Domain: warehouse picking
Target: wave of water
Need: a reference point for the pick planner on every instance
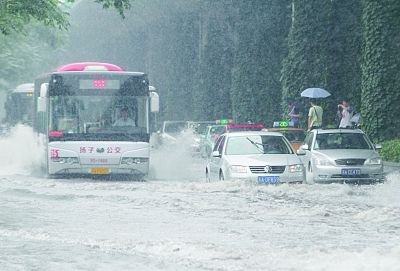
(177, 221)
(21, 151)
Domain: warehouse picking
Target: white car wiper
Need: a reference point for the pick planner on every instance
(258, 145)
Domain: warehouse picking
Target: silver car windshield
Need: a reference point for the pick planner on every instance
(331, 141)
(257, 144)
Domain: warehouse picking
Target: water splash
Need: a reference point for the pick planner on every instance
(21, 151)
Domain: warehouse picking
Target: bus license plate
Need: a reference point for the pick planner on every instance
(99, 170)
(268, 179)
(351, 171)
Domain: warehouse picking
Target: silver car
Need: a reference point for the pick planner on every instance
(341, 155)
(262, 157)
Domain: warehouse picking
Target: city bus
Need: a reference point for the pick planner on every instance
(19, 105)
(76, 109)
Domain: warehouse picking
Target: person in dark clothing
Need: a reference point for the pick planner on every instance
(294, 113)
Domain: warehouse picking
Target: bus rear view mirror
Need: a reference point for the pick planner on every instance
(154, 102)
(42, 99)
(43, 90)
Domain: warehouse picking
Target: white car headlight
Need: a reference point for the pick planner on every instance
(239, 169)
(295, 168)
(373, 161)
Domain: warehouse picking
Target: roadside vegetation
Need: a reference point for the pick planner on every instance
(391, 151)
(215, 59)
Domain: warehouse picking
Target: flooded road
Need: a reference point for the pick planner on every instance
(177, 221)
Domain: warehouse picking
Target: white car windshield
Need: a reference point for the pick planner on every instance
(330, 141)
(257, 144)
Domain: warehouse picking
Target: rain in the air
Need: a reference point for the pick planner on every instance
(222, 135)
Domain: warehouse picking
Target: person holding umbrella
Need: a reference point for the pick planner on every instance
(314, 115)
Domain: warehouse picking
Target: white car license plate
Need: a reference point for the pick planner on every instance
(351, 171)
(268, 179)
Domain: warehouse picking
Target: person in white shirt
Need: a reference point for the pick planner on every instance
(124, 119)
(346, 114)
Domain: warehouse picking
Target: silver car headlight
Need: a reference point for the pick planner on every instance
(65, 160)
(239, 169)
(319, 161)
(295, 168)
(373, 161)
(133, 160)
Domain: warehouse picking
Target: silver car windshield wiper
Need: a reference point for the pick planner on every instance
(258, 145)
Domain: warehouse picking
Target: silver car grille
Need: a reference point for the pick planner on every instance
(350, 162)
(267, 169)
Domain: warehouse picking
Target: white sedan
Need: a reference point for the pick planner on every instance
(262, 157)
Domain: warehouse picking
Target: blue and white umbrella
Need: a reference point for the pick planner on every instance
(315, 93)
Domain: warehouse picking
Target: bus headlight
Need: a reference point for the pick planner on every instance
(65, 160)
(133, 160)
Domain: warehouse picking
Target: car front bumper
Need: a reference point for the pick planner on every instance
(286, 177)
(334, 174)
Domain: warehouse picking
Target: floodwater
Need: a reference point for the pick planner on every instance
(177, 221)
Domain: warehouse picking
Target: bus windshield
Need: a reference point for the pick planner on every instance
(98, 115)
(98, 106)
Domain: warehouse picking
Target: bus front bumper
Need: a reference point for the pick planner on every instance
(98, 170)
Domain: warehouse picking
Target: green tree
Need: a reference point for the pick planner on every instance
(23, 56)
(344, 54)
(261, 31)
(381, 69)
(213, 79)
(308, 49)
(15, 14)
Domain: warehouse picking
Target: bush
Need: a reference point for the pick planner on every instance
(391, 151)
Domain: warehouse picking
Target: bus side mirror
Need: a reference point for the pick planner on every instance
(43, 89)
(154, 102)
(42, 99)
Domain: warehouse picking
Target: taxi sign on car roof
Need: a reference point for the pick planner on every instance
(283, 124)
(245, 127)
(224, 121)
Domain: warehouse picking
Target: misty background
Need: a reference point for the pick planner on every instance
(232, 59)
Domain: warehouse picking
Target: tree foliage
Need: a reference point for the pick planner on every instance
(15, 14)
(306, 63)
(381, 68)
(212, 59)
(215, 55)
(261, 31)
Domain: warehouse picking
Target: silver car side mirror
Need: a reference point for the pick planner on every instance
(378, 146)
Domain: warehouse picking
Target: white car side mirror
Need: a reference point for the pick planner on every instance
(301, 152)
(215, 154)
(304, 147)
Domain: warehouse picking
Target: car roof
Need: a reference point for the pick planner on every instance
(333, 131)
(250, 133)
(283, 129)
